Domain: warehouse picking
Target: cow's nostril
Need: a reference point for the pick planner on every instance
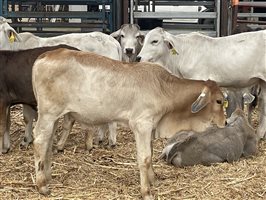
(129, 50)
(138, 58)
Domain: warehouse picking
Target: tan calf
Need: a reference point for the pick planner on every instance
(96, 90)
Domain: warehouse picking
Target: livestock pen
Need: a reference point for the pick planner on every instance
(106, 173)
(113, 174)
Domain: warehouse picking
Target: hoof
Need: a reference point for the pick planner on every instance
(44, 190)
(5, 150)
(89, 149)
(25, 143)
(58, 150)
(111, 146)
(23, 146)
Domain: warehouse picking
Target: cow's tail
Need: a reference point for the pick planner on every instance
(34, 69)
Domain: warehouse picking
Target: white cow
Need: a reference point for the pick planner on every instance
(97, 42)
(232, 61)
(94, 89)
(131, 40)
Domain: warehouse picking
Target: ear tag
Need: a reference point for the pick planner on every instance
(173, 51)
(12, 38)
(225, 104)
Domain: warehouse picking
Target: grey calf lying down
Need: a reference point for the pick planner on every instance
(213, 145)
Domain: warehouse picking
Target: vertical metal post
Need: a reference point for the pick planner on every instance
(131, 11)
(234, 15)
(229, 22)
(103, 16)
(153, 6)
(125, 12)
(1, 8)
(5, 8)
(119, 15)
(218, 17)
(224, 18)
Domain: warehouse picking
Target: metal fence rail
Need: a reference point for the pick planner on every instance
(21, 13)
(150, 13)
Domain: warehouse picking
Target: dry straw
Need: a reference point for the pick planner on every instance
(113, 174)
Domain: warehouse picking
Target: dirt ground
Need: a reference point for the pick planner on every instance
(112, 173)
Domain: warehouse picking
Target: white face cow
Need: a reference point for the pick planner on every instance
(155, 47)
(130, 39)
(227, 60)
(7, 35)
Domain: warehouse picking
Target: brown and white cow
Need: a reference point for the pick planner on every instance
(94, 89)
(97, 42)
(214, 145)
(16, 87)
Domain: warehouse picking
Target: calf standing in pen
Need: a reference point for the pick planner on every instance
(97, 42)
(95, 90)
(213, 145)
(16, 87)
(131, 40)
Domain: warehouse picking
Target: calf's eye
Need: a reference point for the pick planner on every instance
(219, 101)
(154, 42)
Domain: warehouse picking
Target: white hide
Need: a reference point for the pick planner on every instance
(232, 61)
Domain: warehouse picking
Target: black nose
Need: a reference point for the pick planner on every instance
(129, 50)
(138, 58)
(225, 123)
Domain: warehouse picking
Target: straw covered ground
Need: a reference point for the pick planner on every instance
(112, 173)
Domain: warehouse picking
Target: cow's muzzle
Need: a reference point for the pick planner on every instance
(129, 51)
(138, 58)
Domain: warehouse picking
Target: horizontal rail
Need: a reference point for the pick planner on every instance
(175, 15)
(253, 4)
(251, 14)
(70, 14)
(184, 3)
(188, 26)
(251, 22)
(58, 25)
(180, 31)
(63, 2)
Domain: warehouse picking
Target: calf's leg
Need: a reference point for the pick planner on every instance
(89, 140)
(143, 135)
(67, 126)
(7, 131)
(210, 158)
(112, 134)
(100, 135)
(112, 126)
(4, 127)
(43, 140)
(29, 115)
(261, 131)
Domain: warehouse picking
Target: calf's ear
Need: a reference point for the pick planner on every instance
(201, 101)
(116, 34)
(13, 36)
(170, 46)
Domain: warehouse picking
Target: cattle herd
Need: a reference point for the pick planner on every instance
(159, 85)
